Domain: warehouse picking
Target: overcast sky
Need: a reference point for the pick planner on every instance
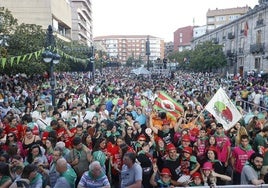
(159, 18)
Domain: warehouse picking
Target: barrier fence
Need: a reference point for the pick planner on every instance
(235, 186)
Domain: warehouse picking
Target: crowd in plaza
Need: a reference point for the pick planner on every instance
(105, 132)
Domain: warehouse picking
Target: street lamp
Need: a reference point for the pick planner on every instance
(52, 58)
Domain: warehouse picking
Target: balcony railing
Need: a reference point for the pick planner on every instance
(257, 48)
(259, 23)
(231, 35)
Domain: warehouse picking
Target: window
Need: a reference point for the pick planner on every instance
(257, 63)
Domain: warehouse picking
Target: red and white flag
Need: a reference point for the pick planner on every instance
(224, 111)
(165, 103)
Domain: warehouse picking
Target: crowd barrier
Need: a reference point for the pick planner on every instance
(235, 186)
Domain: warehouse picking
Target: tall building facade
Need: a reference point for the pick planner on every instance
(182, 38)
(43, 12)
(244, 41)
(70, 19)
(82, 21)
(219, 17)
(122, 47)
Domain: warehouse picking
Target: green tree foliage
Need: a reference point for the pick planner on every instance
(207, 57)
(8, 23)
(26, 39)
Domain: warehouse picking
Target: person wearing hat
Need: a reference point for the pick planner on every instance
(164, 180)
(188, 162)
(167, 133)
(159, 152)
(197, 180)
(172, 162)
(185, 142)
(140, 141)
(210, 176)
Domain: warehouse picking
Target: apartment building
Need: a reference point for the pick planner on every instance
(199, 31)
(82, 21)
(70, 19)
(219, 17)
(43, 12)
(182, 38)
(122, 47)
(244, 41)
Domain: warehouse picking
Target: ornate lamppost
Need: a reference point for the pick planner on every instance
(50, 57)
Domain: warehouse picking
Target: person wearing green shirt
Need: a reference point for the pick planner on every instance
(260, 146)
(67, 175)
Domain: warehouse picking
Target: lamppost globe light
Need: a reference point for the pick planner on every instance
(47, 56)
(56, 58)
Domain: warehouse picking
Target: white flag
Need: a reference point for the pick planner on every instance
(224, 111)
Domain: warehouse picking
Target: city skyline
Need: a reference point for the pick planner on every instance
(157, 18)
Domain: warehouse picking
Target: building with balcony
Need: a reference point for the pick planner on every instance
(244, 41)
(122, 47)
(220, 17)
(182, 38)
(43, 12)
(82, 21)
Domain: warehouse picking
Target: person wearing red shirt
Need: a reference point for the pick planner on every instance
(15, 127)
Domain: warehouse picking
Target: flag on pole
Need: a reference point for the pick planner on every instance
(224, 111)
(165, 103)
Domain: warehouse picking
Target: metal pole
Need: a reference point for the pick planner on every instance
(92, 61)
(52, 83)
(50, 42)
(148, 52)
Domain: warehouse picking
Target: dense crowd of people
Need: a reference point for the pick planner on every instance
(105, 132)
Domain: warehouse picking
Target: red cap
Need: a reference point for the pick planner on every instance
(165, 171)
(207, 166)
(194, 132)
(188, 150)
(170, 147)
(45, 135)
(157, 139)
(186, 138)
(196, 175)
(142, 136)
(212, 148)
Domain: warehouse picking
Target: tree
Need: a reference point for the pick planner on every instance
(207, 57)
(8, 23)
(26, 39)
